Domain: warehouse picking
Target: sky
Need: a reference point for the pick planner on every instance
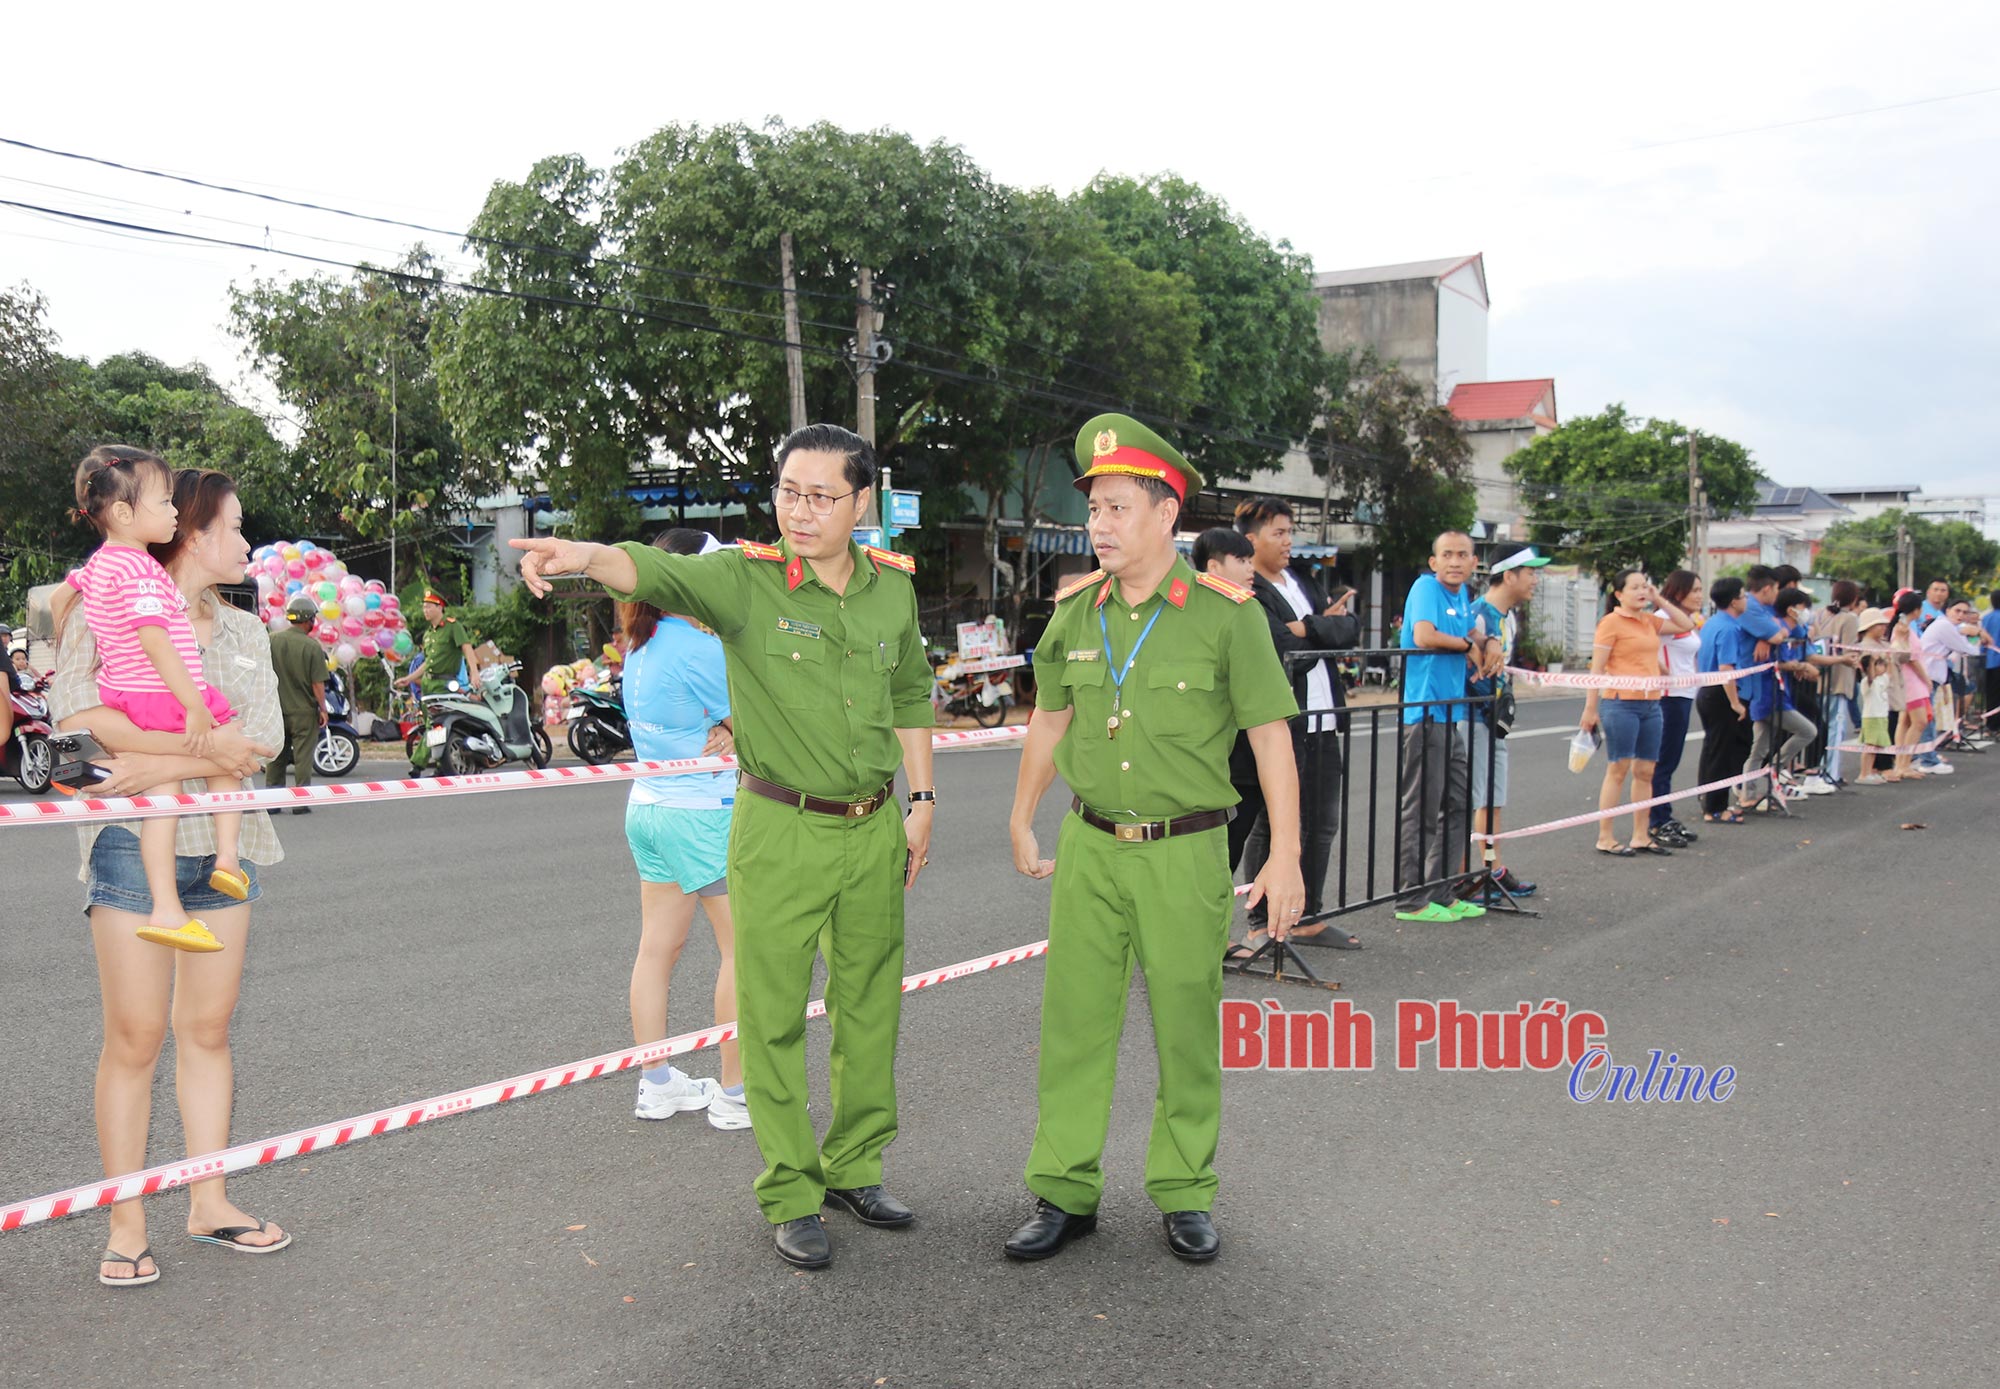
(1771, 221)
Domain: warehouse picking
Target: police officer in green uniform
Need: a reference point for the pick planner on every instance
(446, 642)
(831, 692)
(1143, 678)
(299, 662)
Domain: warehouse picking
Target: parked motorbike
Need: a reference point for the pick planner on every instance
(598, 732)
(28, 756)
(339, 745)
(981, 695)
(475, 731)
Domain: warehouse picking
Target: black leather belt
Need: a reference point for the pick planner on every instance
(1143, 831)
(846, 810)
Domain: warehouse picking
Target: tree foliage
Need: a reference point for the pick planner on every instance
(1865, 551)
(1394, 451)
(351, 360)
(1609, 491)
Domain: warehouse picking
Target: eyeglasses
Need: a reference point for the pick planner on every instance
(788, 498)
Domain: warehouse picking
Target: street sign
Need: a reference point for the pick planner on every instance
(904, 512)
(869, 535)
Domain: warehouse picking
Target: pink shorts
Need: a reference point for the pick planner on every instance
(160, 712)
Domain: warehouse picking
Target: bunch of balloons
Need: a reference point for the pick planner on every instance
(357, 618)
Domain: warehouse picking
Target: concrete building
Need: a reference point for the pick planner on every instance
(1499, 419)
(1429, 316)
(1874, 499)
(1785, 526)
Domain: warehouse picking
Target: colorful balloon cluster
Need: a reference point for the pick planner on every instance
(358, 618)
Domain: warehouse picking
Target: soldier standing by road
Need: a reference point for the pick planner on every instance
(1142, 680)
(300, 664)
(831, 693)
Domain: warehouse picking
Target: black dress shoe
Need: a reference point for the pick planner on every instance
(803, 1242)
(301, 810)
(1047, 1232)
(871, 1205)
(1191, 1235)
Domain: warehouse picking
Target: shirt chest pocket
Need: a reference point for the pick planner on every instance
(1087, 686)
(795, 669)
(1181, 700)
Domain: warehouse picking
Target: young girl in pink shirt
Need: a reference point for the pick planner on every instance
(150, 665)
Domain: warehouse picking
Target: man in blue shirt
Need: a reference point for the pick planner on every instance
(1990, 624)
(1513, 571)
(1723, 709)
(1432, 820)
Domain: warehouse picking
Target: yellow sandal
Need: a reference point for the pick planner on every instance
(193, 937)
(231, 882)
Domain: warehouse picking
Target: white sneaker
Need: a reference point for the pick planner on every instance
(727, 1111)
(1942, 769)
(1818, 786)
(677, 1096)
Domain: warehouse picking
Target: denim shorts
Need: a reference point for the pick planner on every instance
(1482, 738)
(676, 844)
(1631, 729)
(118, 879)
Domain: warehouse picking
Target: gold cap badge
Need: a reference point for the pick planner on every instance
(1107, 442)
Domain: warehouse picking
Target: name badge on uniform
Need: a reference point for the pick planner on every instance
(1087, 653)
(798, 629)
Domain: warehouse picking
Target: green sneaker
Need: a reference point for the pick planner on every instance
(1431, 912)
(1465, 911)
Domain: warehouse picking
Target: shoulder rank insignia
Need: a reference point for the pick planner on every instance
(1232, 592)
(758, 550)
(1079, 584)
(889, 559)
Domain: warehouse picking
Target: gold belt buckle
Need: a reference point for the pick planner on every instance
(1131, 834)
(861, 808)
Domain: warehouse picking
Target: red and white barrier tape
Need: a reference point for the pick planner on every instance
(349, 792)
(1570, 822)
(1899, 749)
(112, 1190)
(1584, 680)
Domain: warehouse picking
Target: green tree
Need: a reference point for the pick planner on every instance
(1258, 349)
(1609, 491)
(351, 359)
(1865, 551)
(1394, 451)
(42, 426)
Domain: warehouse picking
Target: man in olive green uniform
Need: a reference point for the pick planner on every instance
(446, 643)
(300, 664)
(1143, 678)
(830, 691)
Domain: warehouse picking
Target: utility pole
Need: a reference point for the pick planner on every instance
(394, 502)
(1695, 555)
(795, 366)
(864, 358)
(1906, 558)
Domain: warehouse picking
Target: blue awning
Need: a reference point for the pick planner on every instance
(1060, 540)
(665, 493)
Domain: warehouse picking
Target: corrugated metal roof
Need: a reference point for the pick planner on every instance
(1382, 274)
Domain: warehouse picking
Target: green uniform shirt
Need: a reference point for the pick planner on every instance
(818, 681)
(300, 663)
(442, 656)
(1206, 669)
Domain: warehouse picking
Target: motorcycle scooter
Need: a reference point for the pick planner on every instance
(598, 731)
(470, 731)
(28, 756)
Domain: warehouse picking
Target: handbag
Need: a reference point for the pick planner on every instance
(1503, 712)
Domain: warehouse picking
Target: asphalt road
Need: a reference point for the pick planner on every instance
(1830, 1224)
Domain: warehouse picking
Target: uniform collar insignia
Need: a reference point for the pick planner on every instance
(795, 573)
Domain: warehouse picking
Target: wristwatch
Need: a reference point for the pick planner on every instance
(916, 796)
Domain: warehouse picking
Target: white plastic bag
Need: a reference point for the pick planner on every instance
(1583, 747)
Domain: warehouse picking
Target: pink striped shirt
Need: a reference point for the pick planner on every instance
(123, 590)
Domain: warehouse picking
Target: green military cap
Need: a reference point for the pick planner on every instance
(1117, 445)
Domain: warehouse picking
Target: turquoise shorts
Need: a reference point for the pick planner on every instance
(672, 844)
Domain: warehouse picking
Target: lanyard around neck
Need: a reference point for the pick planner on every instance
(1119, 673)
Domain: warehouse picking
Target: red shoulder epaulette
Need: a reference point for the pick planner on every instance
(906, 563)
(1079, 584)
(756, 549)
(1233, 592)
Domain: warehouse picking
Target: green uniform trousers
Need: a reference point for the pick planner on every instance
(802, 883)
(296, 751)
(1166, 905)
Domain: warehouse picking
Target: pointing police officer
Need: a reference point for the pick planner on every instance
(1145, 674)
(831, 693)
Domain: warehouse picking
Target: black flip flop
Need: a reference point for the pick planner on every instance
(1662, 850)
(112, 1256)
(1332, 937)
(1622, 851)
(231, 1237)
